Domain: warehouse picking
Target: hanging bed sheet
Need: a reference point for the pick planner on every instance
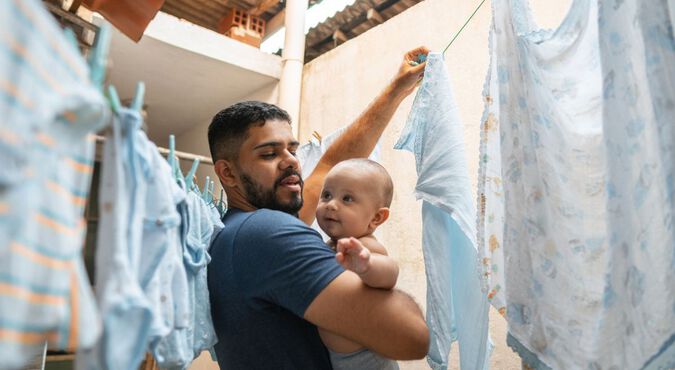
(576, 193)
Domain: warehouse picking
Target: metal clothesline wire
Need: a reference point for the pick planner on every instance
(181, 155)
(461, 29)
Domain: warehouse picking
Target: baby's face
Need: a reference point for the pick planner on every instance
(348, 204)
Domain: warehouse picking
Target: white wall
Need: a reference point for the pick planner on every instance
(195, 140)
(338, 85)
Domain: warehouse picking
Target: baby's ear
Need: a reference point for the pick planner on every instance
(380, 217)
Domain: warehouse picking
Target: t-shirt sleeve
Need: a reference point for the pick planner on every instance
(281, 260)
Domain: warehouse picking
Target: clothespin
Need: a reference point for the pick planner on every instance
(211, 190)
(172, 154)
(317, 136)
(99, 55)
(137, 103)
(205, 190)
(220, 203)
(115, 103)
(189, 179)
(421, 58)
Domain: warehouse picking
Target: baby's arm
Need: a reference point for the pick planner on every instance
(368, 259)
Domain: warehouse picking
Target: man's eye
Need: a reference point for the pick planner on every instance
(268, 155)
(295, 154)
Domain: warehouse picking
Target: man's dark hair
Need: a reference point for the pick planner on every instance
(229, 127)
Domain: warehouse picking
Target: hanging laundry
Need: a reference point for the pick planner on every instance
(196, 258)
(576, 184)
(126, 311)
(182, 346)
(456, 307)
(49, 108)
(163, 275)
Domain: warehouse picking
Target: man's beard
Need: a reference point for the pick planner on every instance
(259, 197)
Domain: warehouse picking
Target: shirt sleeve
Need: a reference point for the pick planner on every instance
(281, 260)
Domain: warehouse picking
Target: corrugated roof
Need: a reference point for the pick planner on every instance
(208, 13)
(350, 22)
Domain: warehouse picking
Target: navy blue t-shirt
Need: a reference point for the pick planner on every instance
(266, 269)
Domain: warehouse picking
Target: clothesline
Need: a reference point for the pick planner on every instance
(181, 155)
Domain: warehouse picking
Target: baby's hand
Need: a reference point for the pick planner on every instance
(353, 256)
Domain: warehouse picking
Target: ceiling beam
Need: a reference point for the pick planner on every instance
(374, 15)
(352, 24)
(262, 7)
(339, 37)
(275, 24)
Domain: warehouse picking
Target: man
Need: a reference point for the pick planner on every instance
(272, 280)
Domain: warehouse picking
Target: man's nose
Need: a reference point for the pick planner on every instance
(289, 160)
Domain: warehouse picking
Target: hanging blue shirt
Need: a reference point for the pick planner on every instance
(457, 309)
(125, 310)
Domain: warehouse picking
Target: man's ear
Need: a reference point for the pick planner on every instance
(226, 172)
(380, 217)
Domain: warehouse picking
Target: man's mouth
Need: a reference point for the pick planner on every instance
(291, 183)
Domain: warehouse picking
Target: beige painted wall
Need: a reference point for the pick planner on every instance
(339, 85)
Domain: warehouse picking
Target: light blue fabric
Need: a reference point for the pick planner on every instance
(580, 123)
(202, 228)
(49, 109)
(162, 274)
(456, 307)
(181, 346)
(126, 311)
(638, 71)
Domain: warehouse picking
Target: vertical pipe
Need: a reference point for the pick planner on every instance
(292, 60)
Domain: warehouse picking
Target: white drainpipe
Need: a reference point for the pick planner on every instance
(292, 60)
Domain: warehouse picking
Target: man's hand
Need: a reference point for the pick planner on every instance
(353, 256)
(411, 71)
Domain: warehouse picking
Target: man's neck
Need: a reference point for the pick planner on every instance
(237, 200)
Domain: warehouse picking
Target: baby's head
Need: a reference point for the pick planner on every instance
(355, 199)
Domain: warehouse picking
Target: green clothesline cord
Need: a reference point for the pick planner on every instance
(461, 29)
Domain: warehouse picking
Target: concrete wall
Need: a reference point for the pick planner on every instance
(195, 140)
(340, 84)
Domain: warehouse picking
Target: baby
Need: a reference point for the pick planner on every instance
(354, 201)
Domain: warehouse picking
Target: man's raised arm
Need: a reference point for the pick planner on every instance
(360, 138)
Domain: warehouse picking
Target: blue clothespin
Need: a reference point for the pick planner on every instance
(137, 103)
(421, 58)
(99, 55)
(172, 154)
(189, 179)
(205, 190)
(211, 190)
(114, 99)
(220, 203)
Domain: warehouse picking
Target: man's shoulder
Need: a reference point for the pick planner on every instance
(263, 224)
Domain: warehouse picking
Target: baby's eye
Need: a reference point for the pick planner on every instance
(347, 198)
(325, 195)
